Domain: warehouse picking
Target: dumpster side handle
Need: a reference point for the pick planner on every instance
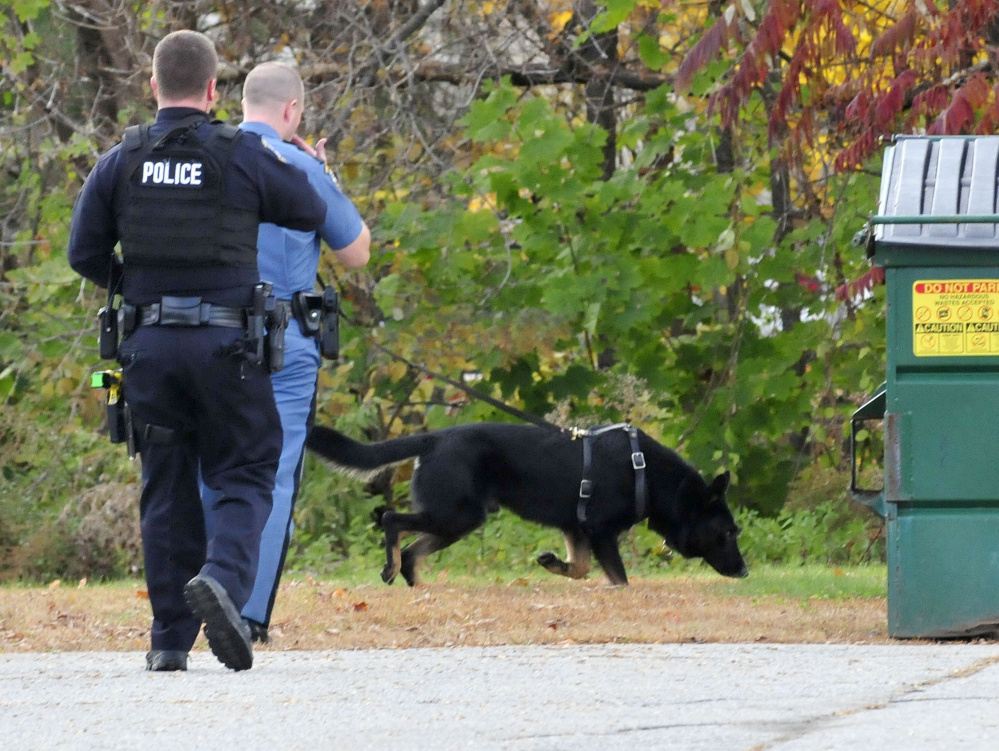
(872, 409)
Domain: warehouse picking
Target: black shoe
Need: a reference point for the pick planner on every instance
(227, 633)
(166, 659)
(258, 631)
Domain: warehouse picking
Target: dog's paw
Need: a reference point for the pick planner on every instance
(410, 576)
(552, 562)
(388, 575)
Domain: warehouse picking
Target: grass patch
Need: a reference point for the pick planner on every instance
(806, 582)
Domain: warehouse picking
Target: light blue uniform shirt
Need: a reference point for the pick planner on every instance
(289, 258)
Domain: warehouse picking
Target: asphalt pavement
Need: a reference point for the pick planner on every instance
(605, 697)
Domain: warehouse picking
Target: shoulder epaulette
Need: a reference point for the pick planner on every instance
(273, 150)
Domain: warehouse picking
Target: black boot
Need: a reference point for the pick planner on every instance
(258, 631)
(166, 659)
(227, 633)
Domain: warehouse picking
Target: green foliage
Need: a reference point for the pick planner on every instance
(334, 523)
(823, 535)
(672, 272)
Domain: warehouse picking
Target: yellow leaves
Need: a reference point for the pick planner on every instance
(480, 202)
(558, 20)
(60, 387)
(282, 42)
(732, 259)
(396, 370)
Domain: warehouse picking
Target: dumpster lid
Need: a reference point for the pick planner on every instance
(939, 191)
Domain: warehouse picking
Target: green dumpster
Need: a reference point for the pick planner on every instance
(936, 236)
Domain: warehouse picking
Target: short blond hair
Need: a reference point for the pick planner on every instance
(183, 64)
(272, 84)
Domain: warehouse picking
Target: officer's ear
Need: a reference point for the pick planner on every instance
(211, 93)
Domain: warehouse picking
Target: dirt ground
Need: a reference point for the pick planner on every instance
(315, 615)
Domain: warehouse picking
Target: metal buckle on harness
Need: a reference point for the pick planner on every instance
(638, 460)
(586, 489)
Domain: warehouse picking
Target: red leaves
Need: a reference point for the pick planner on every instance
(953, 119)
(858, 107)
(854, 155)
(861, 285)
(829, 13)
(886, 110)
(976, 91)
(702, 53)
(960, 115)
(929, 101)
(808, 281)
(928, 71)
(897, 38)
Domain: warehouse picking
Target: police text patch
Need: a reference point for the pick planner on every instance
(170, 172)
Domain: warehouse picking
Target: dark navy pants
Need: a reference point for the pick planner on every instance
(223, 417)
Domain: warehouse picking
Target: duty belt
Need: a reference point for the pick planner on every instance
(189, 311)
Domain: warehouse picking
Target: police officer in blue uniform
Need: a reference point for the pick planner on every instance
(273, 102)
(185, 197)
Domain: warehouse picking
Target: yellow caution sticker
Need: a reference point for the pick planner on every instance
(955, 317)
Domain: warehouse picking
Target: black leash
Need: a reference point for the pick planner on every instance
(526, 416)
(475, 393)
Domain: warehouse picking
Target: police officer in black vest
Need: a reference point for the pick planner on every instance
(184, 197)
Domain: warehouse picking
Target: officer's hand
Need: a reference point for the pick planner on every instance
(319, 152)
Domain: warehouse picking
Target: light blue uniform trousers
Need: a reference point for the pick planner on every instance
(294, 392)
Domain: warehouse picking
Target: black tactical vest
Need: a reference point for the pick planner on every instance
(168, 201)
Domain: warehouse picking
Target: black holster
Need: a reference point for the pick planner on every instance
(329, 336)
(256, 320)
(318, 316)
(119, 421)
(277, 321)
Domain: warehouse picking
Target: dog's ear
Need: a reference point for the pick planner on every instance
(719, 485)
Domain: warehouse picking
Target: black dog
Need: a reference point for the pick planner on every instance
(464, 472)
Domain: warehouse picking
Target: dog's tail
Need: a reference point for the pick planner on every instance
(362, 458)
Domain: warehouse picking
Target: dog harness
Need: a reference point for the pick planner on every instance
(637, 463)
